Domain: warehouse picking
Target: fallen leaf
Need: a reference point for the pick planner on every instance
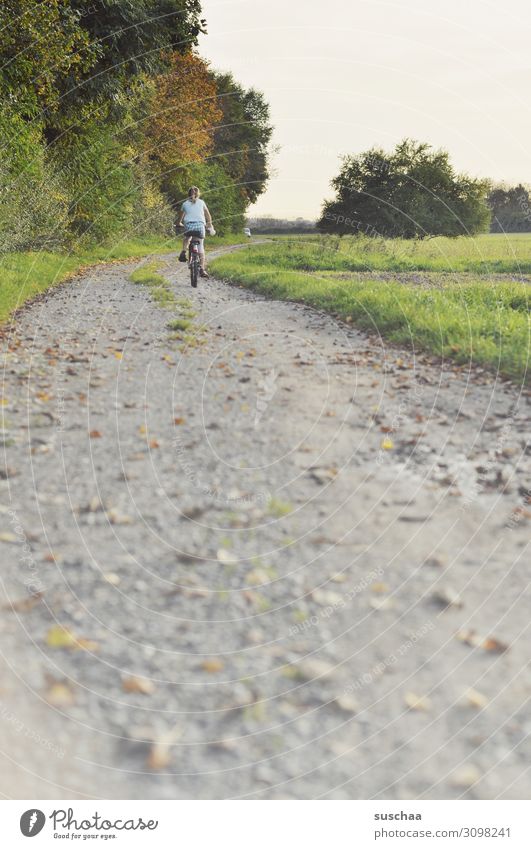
(225, 556)
(415, 702)
(22, 605)
(382, 603)
(60, 695)
(118, 355)
(472, 698)
(135, 684)
(326, 597)
(51, 557)
(494, 645)
(471, 638)
(115, 517)
(257, 577)
(178, 420)
(448, 597)
(160, 753)
(59, 637)
(468, 636)
(387, 444)
(380, 587)
(112, 578)
(309, 670)
(466, 776)
(437, 561)
(340, 578)
(213, 665)
(7, 536)
(95, 434)
(154, 443)
(347, 703)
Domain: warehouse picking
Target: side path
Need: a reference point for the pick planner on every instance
(272, 556)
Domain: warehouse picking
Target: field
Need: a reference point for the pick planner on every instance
(466, 298)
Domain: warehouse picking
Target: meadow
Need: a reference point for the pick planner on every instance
(462, 298)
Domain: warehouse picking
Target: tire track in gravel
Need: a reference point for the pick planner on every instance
(275, 554)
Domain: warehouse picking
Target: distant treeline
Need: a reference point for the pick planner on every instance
(108, 114)
(511, 209)
(268, 224)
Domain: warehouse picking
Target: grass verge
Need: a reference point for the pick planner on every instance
(478, 321)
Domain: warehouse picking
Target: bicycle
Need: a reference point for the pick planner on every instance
(194, 261)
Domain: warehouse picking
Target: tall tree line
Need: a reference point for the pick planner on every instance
(108, 113)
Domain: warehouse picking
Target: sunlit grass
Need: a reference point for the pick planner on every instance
(485, 254)
(477, 319)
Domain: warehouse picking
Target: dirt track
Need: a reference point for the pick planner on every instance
(251, 541)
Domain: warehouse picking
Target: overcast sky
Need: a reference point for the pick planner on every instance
(344, 75)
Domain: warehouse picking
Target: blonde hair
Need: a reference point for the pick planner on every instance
(193, 190)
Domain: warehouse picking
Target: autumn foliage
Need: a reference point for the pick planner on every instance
(108, 114)
(184, 113)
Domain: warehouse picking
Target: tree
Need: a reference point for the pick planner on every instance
(43, 49)
(511, 209)
(412, 192)
(241, 140)
(133, 37)
(182, 114)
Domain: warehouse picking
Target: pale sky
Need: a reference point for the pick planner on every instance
(344, 75)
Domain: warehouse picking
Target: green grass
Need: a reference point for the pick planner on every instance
(485, 254)
(181, 324)
(476, 319)
(161, 291)
(23, 276)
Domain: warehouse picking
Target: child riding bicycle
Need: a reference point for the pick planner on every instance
(195, 217)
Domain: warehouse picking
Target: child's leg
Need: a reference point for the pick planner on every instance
(202, 258)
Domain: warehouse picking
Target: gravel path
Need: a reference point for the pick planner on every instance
(274, 558)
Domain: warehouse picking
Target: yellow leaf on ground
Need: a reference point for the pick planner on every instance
(60, 695)
(161, 751)
(59, 637)
(135, 684)
(387, 444)
(7, 536)
(415, 702)
(473, 698)
(212, 665)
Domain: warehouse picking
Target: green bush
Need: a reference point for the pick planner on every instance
(33, 204)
